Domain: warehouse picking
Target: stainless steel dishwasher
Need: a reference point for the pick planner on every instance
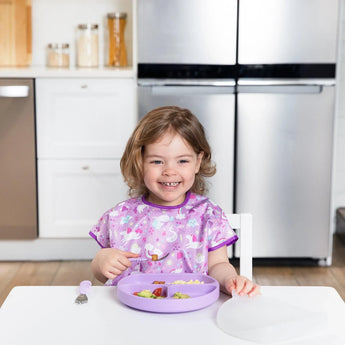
(18, 194)
(213, 102)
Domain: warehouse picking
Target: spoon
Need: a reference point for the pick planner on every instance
(154, 257)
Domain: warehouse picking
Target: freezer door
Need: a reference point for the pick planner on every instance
(215, 108)
(187, 32)
(284, 159)
(288, 31)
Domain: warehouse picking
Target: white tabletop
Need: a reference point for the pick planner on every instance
(48, 315)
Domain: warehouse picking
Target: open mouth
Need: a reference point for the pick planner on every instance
(170, 184)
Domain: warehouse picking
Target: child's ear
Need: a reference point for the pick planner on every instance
(199, 159)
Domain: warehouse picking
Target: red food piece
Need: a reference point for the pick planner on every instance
(158, 292)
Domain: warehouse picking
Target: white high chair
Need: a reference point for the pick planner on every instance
(243, 225)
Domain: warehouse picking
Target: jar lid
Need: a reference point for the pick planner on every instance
(58, 45)
(88, 26)
(120, 15)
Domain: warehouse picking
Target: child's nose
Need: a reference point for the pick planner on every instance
(169, 170)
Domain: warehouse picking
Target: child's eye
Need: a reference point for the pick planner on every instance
(183, 161)
(157, 162)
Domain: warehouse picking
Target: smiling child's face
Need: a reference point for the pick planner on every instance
(169, 168)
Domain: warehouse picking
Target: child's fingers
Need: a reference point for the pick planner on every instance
(130, 255)
(231, 286)
(247, 288)
(240, 285)
(235, 284)
(122, 263)
(113, 273)
(244, 286)
(250, 289)
(125, 259)
(254, 291)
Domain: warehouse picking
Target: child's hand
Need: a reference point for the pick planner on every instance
(242, 286)
(110, 262)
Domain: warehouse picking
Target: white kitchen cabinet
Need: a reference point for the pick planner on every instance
(84, 118)
(83, 125)
(73, 195)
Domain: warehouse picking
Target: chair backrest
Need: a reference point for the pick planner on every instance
(243, 225)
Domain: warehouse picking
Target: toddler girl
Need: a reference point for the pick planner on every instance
(165, 164)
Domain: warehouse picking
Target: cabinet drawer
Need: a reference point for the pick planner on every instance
(73, 195)
(84, 118)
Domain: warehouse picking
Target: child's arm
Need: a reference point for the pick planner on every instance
(220, 268)
(110, 262)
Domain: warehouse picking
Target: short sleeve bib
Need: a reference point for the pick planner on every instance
(187, 232)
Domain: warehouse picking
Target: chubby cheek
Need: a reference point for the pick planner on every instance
(150, 176)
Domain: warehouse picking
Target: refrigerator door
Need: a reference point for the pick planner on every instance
(284, 159)
(187, 32)
(18, 195)
(215, 108)
(288, 31)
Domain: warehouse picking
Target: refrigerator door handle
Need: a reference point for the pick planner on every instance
(186, 82)
(14, 91)
(293, 89)
(290, 81)
(191, 90)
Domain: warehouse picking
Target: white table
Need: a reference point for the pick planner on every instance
(34, 315)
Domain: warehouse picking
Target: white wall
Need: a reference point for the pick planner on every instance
(55, 21)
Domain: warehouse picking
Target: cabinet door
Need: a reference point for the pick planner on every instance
(84, 118)
(73, 195)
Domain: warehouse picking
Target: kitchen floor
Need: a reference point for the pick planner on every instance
(268, 273)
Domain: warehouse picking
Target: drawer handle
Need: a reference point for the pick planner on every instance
(84, 86)
(85, 167)
(14, 91)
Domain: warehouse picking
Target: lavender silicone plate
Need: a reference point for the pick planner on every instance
(201, 295)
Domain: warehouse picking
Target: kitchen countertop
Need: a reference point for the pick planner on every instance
(72, 72)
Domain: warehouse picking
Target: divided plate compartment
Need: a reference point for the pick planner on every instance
(201, 295)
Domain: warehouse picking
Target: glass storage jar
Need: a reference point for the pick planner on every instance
(117, 55)
(87, 45)
(58, 55)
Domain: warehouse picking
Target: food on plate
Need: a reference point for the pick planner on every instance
(180, 295)
(196, 281)
(157, 293)
(158, 282)
(143, 293)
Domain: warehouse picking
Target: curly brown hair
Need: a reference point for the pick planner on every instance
(150, 129)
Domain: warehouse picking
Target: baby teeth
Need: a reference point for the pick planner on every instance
(170, 184)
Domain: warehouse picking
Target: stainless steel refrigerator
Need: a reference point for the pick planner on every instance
(277, 57)
(285, 116)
